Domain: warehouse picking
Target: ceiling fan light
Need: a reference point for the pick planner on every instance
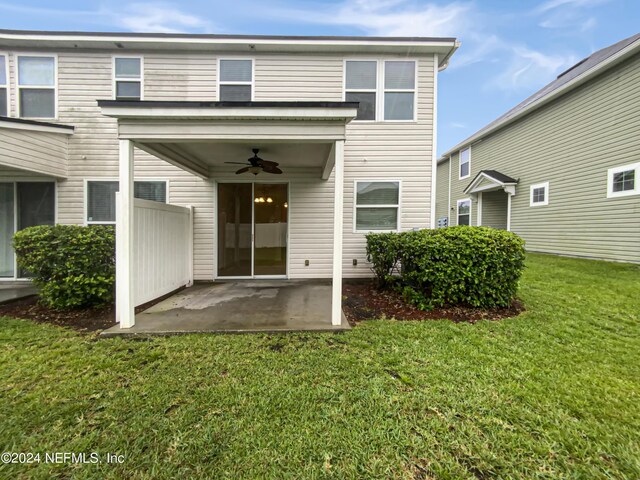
(255, 170)
(269, 200)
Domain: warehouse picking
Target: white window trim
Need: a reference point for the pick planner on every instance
(623, 168)
(460, 163)
(458, 210)
(398, 206)
(114, 80)
(380, 89)
(85, 210)
(6, 85)
(252, 83)
(54, 87)
(544, 185)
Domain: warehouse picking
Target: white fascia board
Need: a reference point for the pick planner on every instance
(566, 88)
(35, 128)
(346, 114)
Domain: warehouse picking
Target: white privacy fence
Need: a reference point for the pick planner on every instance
(163, 249)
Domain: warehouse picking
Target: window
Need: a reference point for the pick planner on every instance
(386, 90)
(399, 89)
(236, 80)
(361, 86)
(4, 87)
(623, 181)
(465, 163)
(101, 197)
(127, 78)
(377, 206)
(37, 86)
(464, 212)
(539, 194)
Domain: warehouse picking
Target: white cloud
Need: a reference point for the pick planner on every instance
(457, 125)
(158, 17)
(553, 4)
(526, 68)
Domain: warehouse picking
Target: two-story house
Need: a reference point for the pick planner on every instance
(287, 150)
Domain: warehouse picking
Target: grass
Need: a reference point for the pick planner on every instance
(553, 393)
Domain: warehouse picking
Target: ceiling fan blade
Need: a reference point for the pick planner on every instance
(271, 169)
(269, 162)
(237, 163)
(242, 170)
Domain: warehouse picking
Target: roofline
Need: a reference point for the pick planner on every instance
(78, 35)
(485, 174)
(198, 104)
(22, 124)
(610, 62)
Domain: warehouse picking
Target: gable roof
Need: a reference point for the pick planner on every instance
(566, 81)
(496, 179)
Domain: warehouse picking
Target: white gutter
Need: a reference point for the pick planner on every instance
(613, 60)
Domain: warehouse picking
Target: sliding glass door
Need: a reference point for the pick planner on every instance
(22, 205)
(252, 230)
(7, 229)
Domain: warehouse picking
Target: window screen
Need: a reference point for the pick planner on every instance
(399, 90)
(624, 181)
(128, 78)
(4, 101)
(464, 212)
(377, 205)
(465, 163)
(36, 87)
(236, 77)
(101, 198)
(361, 86)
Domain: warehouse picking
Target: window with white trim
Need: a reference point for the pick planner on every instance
(539, 194)
(37, 86)
(399, 89)
(127, 78)
(464, 160)
(361, 85)
(101, 197)
(464, 211)
(236, 80)
(623, 181)
(4, 86)
(377, 206)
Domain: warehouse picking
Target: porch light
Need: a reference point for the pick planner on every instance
(286, 205)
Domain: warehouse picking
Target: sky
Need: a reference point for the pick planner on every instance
(510, 48)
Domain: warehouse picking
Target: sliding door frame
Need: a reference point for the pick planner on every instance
(253, 276)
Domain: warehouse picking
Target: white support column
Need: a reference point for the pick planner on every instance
(480, 209)
(509, 211)
(190, 254)
(434, 145)
(125, 308)
(338, 210)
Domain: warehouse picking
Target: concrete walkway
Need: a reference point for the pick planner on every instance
(15, 291)
(240, 306)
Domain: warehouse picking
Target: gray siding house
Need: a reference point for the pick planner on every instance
(342, 127)
(562, 168)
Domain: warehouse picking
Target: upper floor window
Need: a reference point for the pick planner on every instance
(361, 86)
(465, 163)
(386, 90)
(4, 87)
(236, 80)
(377, 206)
(623, 181)
(539, 194)
(127, 78)
(36, 86)
(399, 89)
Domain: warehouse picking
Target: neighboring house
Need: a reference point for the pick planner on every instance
(350, 121)
(562, 168)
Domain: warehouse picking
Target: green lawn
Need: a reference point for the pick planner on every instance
(554, 393)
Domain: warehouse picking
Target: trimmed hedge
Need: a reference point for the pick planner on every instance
(473, 266)
(73, 266)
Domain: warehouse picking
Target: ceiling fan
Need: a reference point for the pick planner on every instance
(257, 165)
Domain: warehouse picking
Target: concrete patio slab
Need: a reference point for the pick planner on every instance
(239, 307)
(16, 290)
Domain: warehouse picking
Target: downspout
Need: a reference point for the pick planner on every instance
(434, 142)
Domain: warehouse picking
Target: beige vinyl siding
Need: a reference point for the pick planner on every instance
(571, 143)
(382, 150)
(494, 209)
(40, 152)
(442, 191)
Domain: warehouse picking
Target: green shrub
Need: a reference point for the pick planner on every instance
(473, 266)
(73, 266)
(383, 253)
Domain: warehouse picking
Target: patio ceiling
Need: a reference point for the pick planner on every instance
(201, 136)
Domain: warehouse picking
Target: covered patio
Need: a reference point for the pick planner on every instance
(306, 139)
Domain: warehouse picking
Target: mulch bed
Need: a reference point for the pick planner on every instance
(86, 320)
(365, 302)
